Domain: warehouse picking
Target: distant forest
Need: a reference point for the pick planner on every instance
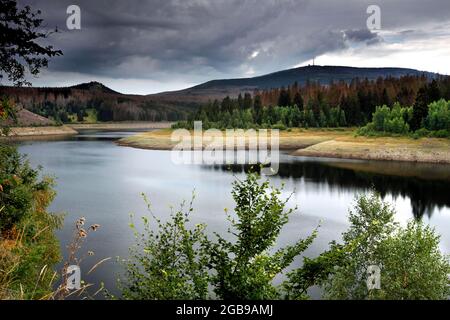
(313, 105)
(94, 102)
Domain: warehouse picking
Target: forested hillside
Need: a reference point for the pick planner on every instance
(93, 102)
(90, 102)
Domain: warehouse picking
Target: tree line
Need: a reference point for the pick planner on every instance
(313, 105)
(401, 120)
(428, 116)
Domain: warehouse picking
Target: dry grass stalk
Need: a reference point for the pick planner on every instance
(79, 236)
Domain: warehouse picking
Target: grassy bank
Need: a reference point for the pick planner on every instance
(329, 143)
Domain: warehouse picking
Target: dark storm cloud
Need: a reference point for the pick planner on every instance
(199, 39)
(361, 35)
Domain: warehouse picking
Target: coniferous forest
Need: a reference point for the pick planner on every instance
(405, 102)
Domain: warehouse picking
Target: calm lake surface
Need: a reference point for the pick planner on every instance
(103, 182)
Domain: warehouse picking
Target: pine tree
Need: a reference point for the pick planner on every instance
(248, 102)
(227, 104)
(420, 109)
(298, 101)
(284, 99)
(240, 102)
(434, 93)
(258, 110)
(385, 99)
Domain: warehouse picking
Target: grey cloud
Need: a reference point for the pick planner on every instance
(197, 40)
(360, 35)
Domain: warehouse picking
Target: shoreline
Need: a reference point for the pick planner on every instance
(121, 125)
(424, 150)
(20, 132)
(72, 129)
(338, 144)
(410, 157)
(288, 141)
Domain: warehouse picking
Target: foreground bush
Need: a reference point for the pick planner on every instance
(176, 261)
(28, 246)
(169, 262)
(412, 266)
(245, 267)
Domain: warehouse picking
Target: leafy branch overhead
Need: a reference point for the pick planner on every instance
(20, 44)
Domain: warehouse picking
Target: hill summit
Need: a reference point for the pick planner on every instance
(320, 74)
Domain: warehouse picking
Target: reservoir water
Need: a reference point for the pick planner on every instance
(103, 182)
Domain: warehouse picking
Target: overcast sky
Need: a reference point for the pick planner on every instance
(157, 45)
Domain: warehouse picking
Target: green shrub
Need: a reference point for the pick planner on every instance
(169, 263)
(17, 185)
(313, 272)
(440, 134)
(438, 116)
(412, 266)
(244, 268)
(177, 261)
(388, 120)
(381, 115)
(182, 125)
(422, 132)
(279, 126)
(28, 246)
(396, 125)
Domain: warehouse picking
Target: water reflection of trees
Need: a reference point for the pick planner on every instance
(425, 195)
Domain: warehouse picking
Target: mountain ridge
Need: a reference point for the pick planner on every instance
(314, 73)
(322, 74)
